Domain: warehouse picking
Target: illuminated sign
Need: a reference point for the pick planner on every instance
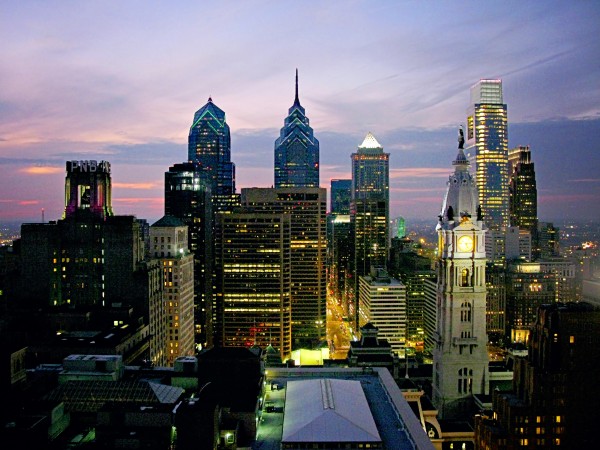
(83, 166)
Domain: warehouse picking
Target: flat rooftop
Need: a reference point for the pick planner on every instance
(394, 420)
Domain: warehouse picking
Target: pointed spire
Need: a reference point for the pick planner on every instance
(210, 99)
(296, 100)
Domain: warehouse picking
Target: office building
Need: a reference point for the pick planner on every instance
(306, 208)
(553, 400)
(527, 288)
(169, 245)
(339, 241)
(487, 145)
(523, 193)
(548, 240)
(460, 356)
(382, 302)
(341, 196)
(369, 213)
(188, 197)
(296, 150)
(253, 266)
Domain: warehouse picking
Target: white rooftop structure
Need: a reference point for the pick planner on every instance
(370, 142)
(327, 410)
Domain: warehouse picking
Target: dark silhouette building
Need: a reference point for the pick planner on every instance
(554, 398)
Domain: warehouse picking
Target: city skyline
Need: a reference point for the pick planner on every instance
(120, 83)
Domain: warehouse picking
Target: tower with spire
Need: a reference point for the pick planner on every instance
(296, 150)
(460, 356)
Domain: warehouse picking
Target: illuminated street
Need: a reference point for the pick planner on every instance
(338, 331)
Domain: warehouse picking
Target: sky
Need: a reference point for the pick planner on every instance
(120, 81)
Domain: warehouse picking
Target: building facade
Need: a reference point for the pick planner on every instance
(253, 262)
(460, 356)
(487, 144)
(369, 211)
(188, 197)
(552, 400)
(296, 150)
(382, 302)
(307, 210)
(169, 245)
(523, 193)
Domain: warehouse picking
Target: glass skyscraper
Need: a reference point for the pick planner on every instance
(487, 144)
(369, 211)
(296, 150)
(523, 192)
(209, 145)
(188, 197)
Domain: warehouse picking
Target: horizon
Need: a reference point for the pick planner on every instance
(125, 90)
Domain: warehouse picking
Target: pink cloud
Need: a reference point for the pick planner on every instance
(143, 186)
(420, 172)
(42, 170)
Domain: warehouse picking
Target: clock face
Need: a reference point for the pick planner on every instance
(465, 244)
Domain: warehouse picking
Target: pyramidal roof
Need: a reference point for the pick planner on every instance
(370, 142)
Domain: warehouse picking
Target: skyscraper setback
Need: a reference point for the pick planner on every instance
(209, 145)
(487, 139)
(296, 150)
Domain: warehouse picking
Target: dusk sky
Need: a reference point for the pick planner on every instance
(120, 81)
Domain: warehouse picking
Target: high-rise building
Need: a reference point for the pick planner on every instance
(369, 212)
(188, 197)
(548, 240)
(209, 145)
(169, 245)
(370, 171)
(339, 241)
(341, 196)
(382, 302)
(523, 193)
(527, 288)
(306, 207)
(487, 141)
(460, 359)
(253, 268)
(553, 400)
(296, 150)
(413, 270)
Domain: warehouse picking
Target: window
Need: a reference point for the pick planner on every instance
(465, 380)
(465, 278)
(465, 312)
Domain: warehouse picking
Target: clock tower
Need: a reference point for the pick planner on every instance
(460, 359)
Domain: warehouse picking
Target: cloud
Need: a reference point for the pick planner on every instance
(42, 170)
(139, 200)
(28, 202)
(135, 185)
(419, 172)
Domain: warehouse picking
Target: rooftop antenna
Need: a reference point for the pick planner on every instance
(43, 216)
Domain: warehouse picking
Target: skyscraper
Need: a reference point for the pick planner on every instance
(296, 150)
(169, 244)
(306, 208)
(369, 213)
(254, 281)
(341, 195)
(209, 145)
(188, 197)
(523, 193)
(460, 356)
(487, 143)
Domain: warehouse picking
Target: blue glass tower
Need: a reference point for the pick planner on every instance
(296, 150)
(209, 145)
